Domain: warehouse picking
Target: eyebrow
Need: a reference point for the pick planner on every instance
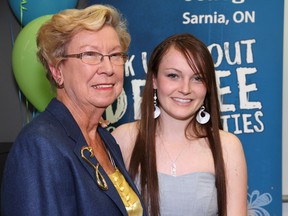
(98, 48)
(175, 69)
(180, 71)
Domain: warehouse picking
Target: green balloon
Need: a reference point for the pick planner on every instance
(28, 71)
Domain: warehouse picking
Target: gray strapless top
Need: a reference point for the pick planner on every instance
(192, 194)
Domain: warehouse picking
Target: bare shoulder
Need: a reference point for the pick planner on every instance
(236, 173)
(126, 132)
(230, 142)
(125, 135)
(233, 154)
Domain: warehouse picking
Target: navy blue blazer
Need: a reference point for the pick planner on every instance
(45, 174)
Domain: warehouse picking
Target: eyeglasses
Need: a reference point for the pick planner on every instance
(94, 58)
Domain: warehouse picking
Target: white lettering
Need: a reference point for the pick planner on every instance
(244, 17)
(129, 66)
(261, 128)
(120, 109)
(136, 87)
(203, 18)
(223, 91)
(219, 53)
(245, 89)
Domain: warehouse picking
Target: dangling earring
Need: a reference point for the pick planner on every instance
(202, 116)
(156, 108)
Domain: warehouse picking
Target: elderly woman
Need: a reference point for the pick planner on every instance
(63, 162)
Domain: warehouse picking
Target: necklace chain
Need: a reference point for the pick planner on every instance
(99, 139)
(111, 158)
(173, 166)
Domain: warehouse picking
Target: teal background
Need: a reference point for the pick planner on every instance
(152, 21)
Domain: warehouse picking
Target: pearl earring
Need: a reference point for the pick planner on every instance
(58, 81)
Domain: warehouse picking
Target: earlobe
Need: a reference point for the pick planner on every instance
(154, 83)
(57, 75)
(54, 71)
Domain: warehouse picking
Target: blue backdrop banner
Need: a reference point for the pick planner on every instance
(245, 38)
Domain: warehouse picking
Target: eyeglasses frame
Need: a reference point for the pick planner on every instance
(80, 56)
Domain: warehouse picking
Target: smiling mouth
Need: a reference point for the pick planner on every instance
(181, 100)
(104, 86)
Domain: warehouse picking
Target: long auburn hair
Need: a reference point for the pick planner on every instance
(143, 159)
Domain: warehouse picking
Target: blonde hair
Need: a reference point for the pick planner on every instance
(55, 34)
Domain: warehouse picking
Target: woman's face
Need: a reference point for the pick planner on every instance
(93, 85)
(180, 91)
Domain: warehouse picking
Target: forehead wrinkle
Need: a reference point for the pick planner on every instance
(98, 48)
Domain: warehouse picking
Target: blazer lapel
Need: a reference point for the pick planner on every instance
(115, 152)
(73, 131)
(121, 166)
(111, 192)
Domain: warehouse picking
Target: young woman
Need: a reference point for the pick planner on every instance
(178, 154)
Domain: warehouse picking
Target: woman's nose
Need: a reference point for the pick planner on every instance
(106, 66)
(185, 87)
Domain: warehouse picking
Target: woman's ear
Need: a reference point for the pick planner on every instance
(57, 75)
(154, 79)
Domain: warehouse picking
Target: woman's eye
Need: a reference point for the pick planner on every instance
(198, 78)
(89, 54)
(172, 75)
